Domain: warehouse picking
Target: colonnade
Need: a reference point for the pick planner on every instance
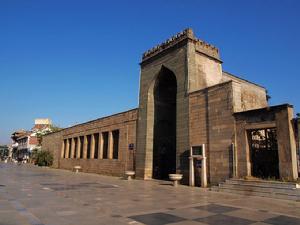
(104, 145)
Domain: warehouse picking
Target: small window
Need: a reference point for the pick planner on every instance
(96, 145)
(115, 135)
(64, 148)
(75, 147)
(88, 139)
(81, 139)
(105, 144)
(70, 147)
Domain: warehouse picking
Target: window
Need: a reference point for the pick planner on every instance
(105, 144)
(81, 146)
(88, 139)
(64, 148)
(115, 136)
(96, 145)
(70, 147)
(75, 147)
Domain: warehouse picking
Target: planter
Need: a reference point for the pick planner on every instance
(129, 174)
(77, 168)
(175, 178)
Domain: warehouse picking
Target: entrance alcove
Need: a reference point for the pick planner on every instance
(263, 150)
(164, 124)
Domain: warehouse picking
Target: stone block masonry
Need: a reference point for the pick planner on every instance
(185, 100)
(98, 146)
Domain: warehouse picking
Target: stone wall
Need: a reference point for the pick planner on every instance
(203, 71)
(124, 122)
(246, 94)
(212, 123)
(52, 142)
(279, 117)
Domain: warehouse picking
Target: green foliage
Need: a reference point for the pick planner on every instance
(41, 133)
(51, 129)
(44, 158)
(3, 151)
(55, 128)
(34, 154)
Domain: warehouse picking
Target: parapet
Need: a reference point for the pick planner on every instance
(186, 34)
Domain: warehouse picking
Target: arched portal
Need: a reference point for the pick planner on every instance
(164, 132)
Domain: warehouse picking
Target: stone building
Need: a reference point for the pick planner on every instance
(99, 146)
(186, 100)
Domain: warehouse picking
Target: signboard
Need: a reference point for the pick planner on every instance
(131, 146)
(197, 150)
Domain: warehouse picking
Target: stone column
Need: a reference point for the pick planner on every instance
(203, 169)
(62, 154)
(67, 149)
(286, 144)
(92, 146)
(85, 147)
(110, 145)
(191, 173)
(100, 147)
(78, 148)
(242, 146)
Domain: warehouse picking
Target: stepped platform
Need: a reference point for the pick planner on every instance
(262, 188)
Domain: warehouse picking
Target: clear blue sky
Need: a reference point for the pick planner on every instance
(74, 61)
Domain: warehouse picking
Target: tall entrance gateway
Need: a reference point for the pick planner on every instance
(164, 137)
(170, 73)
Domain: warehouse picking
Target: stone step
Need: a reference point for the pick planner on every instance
(257, 193)
(265, 183)
(272, 189)
(263, 189)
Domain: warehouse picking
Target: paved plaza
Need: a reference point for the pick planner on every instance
(31, 195)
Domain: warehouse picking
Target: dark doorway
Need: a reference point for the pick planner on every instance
(164, 141)
(264, 153)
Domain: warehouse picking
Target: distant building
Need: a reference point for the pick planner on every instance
(25, 141)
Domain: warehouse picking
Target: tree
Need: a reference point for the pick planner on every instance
(44, 158)
(4, 151)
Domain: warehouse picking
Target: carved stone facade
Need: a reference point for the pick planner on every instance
(185, 100)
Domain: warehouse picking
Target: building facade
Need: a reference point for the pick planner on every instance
(25, 141)
(106, 145)
(186, 100)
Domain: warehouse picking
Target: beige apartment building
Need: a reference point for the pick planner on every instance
(186, 100)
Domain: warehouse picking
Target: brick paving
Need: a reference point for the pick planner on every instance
(31, 195)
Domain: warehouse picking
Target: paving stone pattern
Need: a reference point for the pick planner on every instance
(31, 195)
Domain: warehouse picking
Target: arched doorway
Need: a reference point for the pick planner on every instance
(164, 133)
